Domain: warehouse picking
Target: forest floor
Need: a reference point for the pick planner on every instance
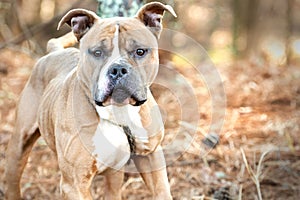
(260, 136)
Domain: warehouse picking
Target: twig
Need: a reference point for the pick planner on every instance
(255, 176)
(201, 197)
(240, 192)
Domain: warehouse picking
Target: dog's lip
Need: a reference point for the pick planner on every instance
(120, 95)
(129, 101)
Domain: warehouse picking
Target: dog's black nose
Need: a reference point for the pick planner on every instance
(118, 71)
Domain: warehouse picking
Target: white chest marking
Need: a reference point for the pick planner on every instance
(111, 147)
(126, 116)
(110, 142)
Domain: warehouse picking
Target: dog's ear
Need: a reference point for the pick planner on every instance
(80, 20)
(151, 15)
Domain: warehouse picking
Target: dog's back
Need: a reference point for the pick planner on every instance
(54, 65)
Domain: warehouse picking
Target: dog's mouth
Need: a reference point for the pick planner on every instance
(121, 96)
(128, 101)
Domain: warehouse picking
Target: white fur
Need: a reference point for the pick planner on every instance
(111, 146)
(127, 115)
(115, 55)
(110, 142)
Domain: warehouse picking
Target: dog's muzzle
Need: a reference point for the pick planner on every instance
(122, 86)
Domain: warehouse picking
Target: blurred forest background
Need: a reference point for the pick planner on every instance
(228, 29)
(255, 46)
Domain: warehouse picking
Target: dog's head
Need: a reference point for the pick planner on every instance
(118, 56)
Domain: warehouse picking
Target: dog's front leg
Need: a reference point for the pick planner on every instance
(77, 167)
(153, 171)
(75, 183)
(113, 187)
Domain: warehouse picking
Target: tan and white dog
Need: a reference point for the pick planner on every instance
(93, 105)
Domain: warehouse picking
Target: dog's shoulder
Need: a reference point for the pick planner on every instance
(55, 64)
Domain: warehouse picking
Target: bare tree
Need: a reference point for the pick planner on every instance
(245, 18)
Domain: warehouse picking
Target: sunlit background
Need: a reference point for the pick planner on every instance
(227, 29)
(255, 46)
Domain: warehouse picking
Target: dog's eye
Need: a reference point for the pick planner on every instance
(97, 53)
(141, 52)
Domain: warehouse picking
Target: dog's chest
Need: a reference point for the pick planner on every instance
(111, 146)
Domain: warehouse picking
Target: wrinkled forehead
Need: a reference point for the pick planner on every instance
(130, 31)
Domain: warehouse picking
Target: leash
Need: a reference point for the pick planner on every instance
(128, 133)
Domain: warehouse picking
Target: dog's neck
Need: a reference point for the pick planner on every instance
(126, 115)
